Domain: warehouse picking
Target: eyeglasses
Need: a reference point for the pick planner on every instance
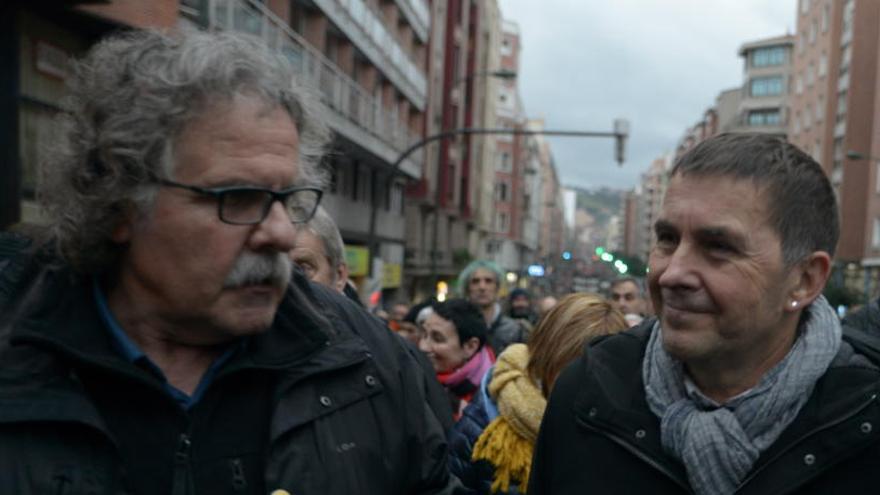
(246, 205)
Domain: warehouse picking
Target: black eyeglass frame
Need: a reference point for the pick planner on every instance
(220, 192)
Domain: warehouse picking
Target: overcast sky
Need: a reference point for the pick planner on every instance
(658, 63)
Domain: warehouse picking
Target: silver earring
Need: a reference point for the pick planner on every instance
(794, 304)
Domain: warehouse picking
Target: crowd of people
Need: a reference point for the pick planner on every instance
(185, 323)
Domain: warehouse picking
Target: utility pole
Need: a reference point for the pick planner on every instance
(620, 134)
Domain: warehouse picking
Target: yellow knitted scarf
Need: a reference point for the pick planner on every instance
(507, 443)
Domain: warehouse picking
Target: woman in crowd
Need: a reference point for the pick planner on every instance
(491, 446)
(454, 338)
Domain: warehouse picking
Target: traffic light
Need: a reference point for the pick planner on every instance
(600, 250)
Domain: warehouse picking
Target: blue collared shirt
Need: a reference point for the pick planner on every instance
(133, 354)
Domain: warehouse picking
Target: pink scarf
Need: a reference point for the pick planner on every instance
(472, 371)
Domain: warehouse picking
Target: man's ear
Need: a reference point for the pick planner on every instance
(341, 276)
(471, 346)
(122, 231)
(810, 276)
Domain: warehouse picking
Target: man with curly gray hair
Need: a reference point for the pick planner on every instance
(159, 341)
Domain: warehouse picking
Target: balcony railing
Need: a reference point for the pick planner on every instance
(339, 92)
(367, 31)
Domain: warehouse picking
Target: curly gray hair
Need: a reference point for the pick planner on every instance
(130, 98)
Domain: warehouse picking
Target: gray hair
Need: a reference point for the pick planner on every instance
(324, 228)
(803, 210)
(130, 98)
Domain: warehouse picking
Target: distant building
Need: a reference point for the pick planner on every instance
(763, 104)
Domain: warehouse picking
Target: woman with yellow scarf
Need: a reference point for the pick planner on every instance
(491, 446)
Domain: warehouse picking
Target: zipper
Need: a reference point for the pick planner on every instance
(239, 482)
(636, 452)
(824, 426)
(182, 478)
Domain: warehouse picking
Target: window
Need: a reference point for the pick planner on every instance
(798, 85)
(813, 29)
(805, 6)
(766, 86)
(764, 117)
(502, 222)
(768, 57)
(877, 185)
(820, 109)
(875, 239)
(501, 191)
(808, 120)
(504, 162)
(823, 65)
(826, 13)
(396, 198)
(810, 76)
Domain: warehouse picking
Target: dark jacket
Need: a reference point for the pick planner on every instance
(866, 318)
(319, 404)
(503, 332)
(476, 476)
(599, 436)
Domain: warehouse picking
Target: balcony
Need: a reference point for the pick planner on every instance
(366, 31)
(418, 13)
(352, 112)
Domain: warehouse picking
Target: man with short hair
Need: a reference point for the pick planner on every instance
(628, 298)
(320, 252)
(158, 342)
(480, 283)
(744, 383)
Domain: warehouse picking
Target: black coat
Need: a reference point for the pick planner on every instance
(599, 436)
(866, 318)
(320, 404)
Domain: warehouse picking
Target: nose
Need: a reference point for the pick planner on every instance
(424, 345)
(275, 233)
(676, 269)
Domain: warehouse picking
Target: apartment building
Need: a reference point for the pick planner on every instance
(834, 108)
(763, 102)
(510, 161)
(446, 209)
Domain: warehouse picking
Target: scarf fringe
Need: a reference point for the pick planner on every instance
(508, 452)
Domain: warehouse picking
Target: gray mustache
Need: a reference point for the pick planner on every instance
(258, 268)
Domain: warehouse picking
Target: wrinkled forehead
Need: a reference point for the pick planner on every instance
(483, 274)
(625, 287)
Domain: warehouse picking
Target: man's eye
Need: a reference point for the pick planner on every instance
(720, 246)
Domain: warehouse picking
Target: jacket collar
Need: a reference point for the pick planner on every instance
(55, 321)
(612, 402)
(61, 315)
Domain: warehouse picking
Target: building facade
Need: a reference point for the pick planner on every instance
(763, 102)
(835, 112)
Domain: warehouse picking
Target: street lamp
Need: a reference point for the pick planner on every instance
(620, 133)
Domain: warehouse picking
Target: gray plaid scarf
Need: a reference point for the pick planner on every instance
(718, 445)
